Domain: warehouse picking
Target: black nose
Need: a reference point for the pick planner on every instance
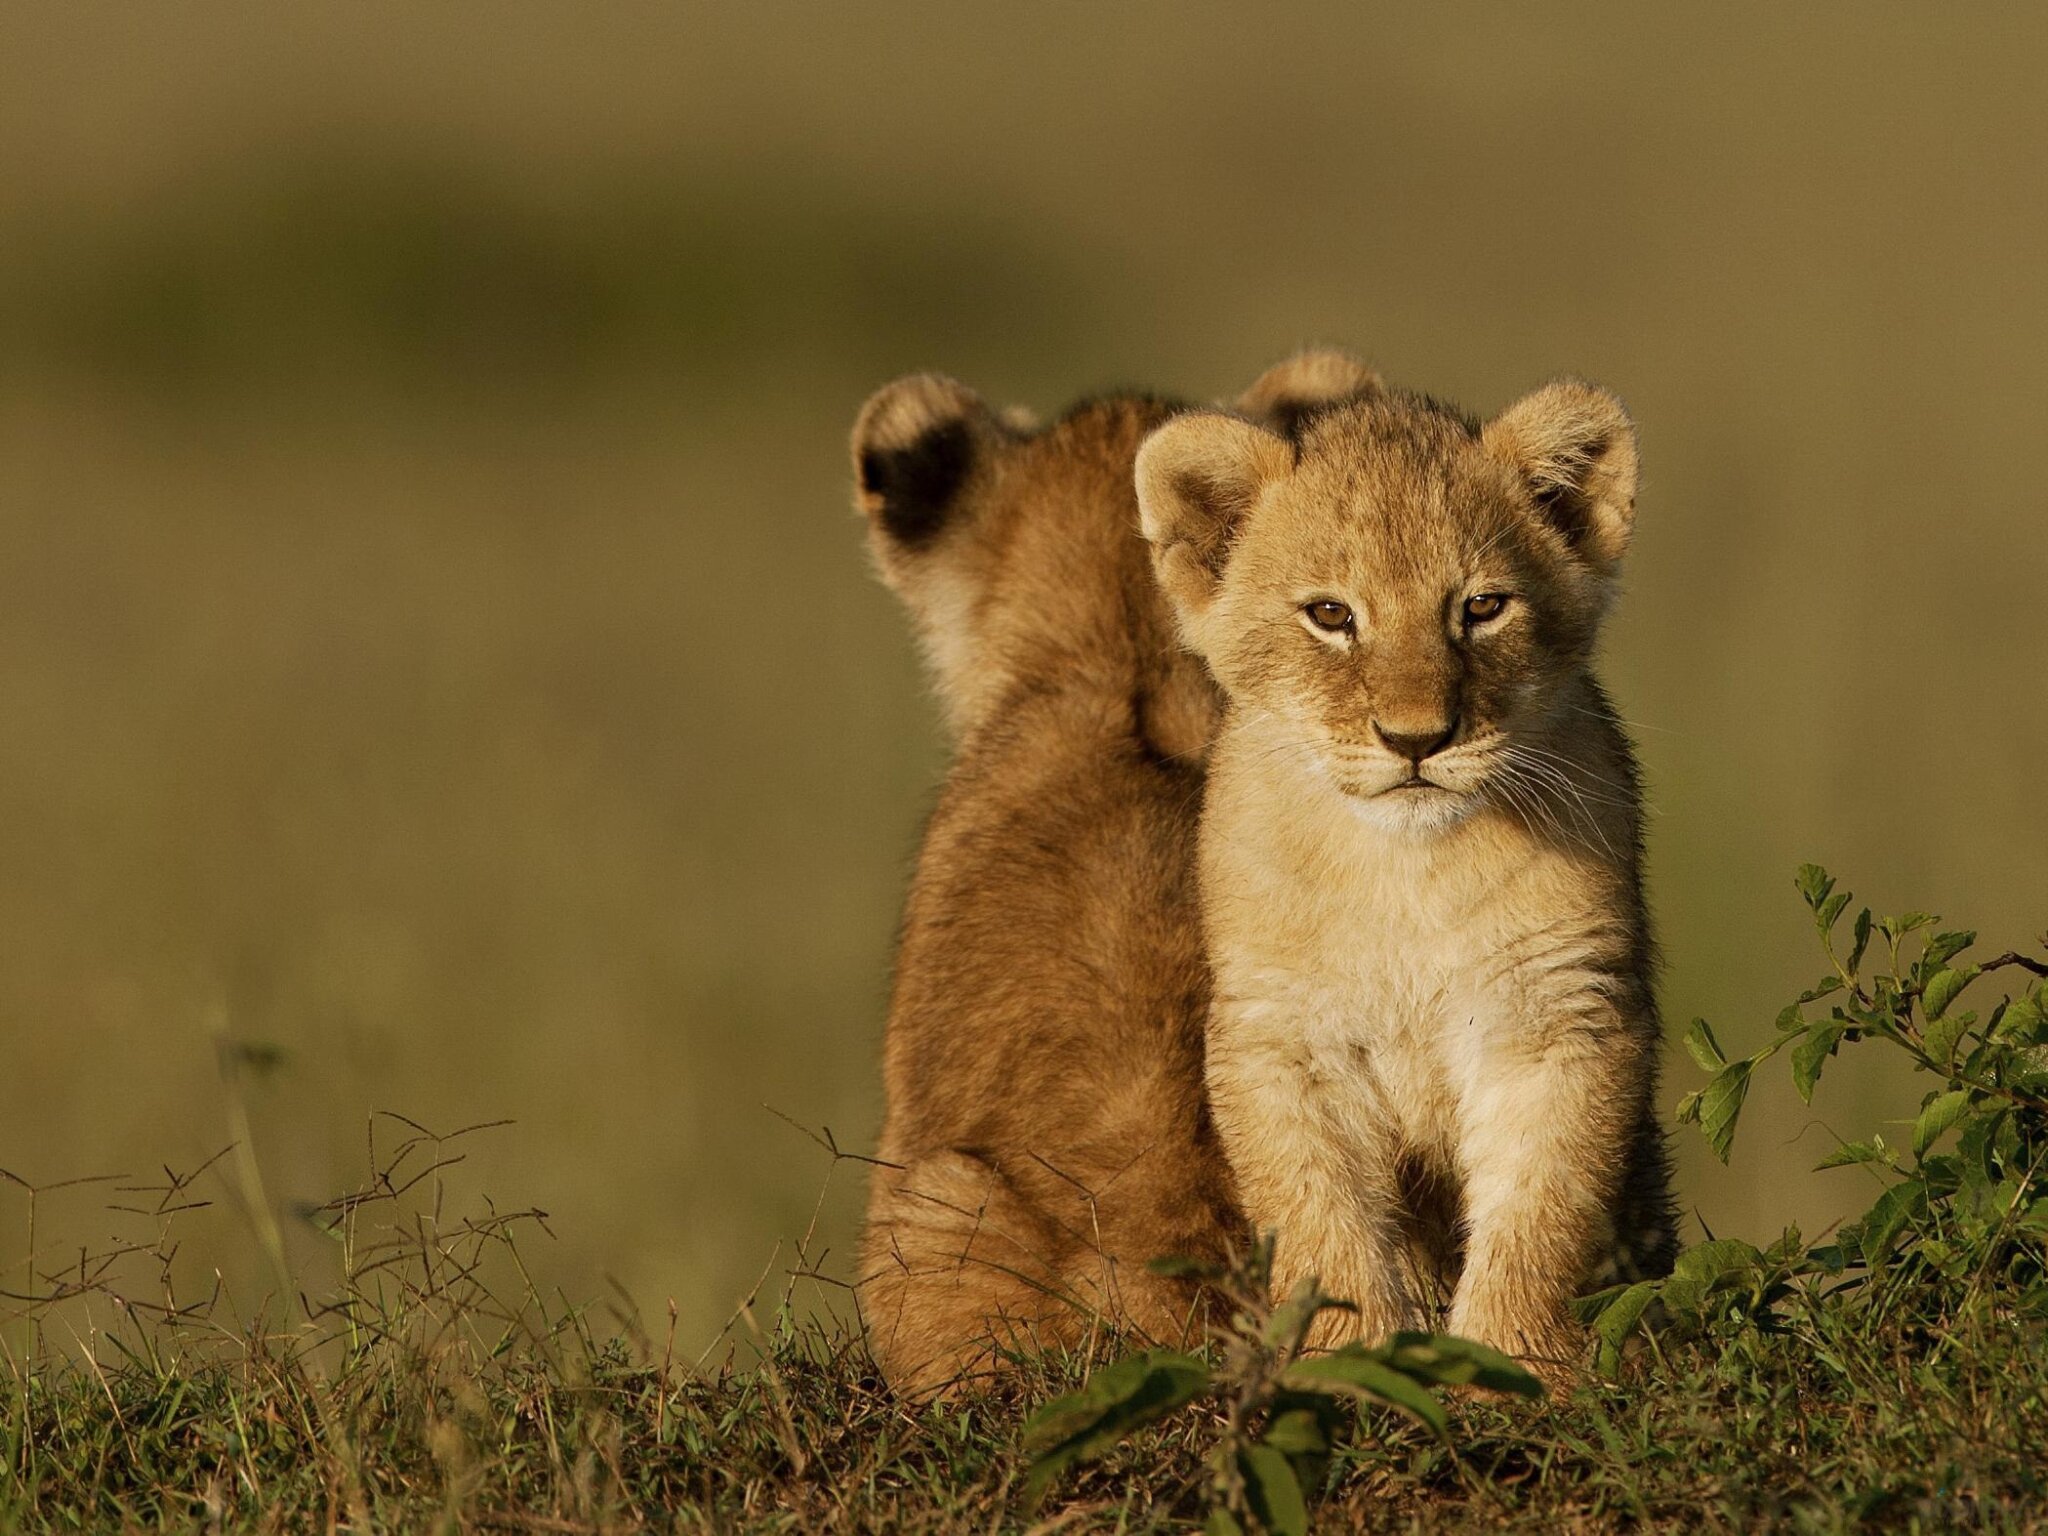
(1416, 745)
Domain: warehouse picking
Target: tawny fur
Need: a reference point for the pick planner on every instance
(1432, 1052)
(1046, 1130)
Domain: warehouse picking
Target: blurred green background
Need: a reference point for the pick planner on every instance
(434, 639)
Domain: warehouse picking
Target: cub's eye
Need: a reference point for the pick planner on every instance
(1487, 605)
(1326, 613)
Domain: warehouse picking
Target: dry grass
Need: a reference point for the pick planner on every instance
(434, 1386)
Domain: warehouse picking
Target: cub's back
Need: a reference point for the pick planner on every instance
(1043, 1059)
(1056, 882)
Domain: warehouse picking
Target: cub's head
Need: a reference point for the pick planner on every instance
(1394, 592)
(1016, 548)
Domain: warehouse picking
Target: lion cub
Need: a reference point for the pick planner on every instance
(1432, 1054)
(1043, 1061)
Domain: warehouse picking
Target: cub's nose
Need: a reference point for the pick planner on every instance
(1416, 742)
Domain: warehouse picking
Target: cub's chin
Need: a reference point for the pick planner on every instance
(1415, 810)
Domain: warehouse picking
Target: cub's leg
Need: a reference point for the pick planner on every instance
(1168, 1311)
(1322, 1169)
(955, 1264)
(1546, 1133)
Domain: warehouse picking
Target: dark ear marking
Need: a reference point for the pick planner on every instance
(1564, 504)
(916, 445)
(1568, 495)
(912, 487)
(1287, 417)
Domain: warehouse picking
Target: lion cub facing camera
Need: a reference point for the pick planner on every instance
(1432, 1052)
(1045, 1133)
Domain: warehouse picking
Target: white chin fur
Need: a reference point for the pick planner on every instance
(1416, 812)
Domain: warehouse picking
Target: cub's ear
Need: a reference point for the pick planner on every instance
(1574, 446)
(1198, 476)
(916, 445)
(1289, 391)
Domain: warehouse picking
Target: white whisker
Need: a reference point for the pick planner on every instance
(1546, 787)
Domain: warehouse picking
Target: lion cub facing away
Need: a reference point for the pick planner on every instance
(1043, 1060)
(1433, 1047)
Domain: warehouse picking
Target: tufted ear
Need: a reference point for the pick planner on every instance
(1198, 477)
(1289, 391)
(1574, 446)
(916, 445)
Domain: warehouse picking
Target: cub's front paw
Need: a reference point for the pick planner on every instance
(1553, 1349)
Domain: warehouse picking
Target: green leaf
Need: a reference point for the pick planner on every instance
(1811, 1054)
(1116, 1400)
(1160, 1379)
(1825, 915)
(1705, 1049)
(1706, 1268)
(2006, 1141)
(1296, 1432)
(1888, 1217)
(1942, 1111)
(1618, 1320)
(1447, 1360)
(1977, 1147)
(1273, 1491)
(1688, 1109)
(1715, 1260)
(1872, 1151)
(1721, 1106)
(1300, 1429)
(1814, 884)
(1941, 990)
(1789, 1246)
(1291, 1318)
(1828, 1258)
(1942, 1035)
(1862, 939)
(1221, 1522)
(2023, 1019)
(1898, 927)
(1820, 989)
(1587, 1308)
(1358, 1372)
(1944, 947)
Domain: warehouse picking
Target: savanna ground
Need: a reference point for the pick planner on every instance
(562, 1431)
(1892, 1374)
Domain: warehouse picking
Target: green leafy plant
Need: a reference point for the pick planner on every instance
(1961, 1218)
(1278, 1413)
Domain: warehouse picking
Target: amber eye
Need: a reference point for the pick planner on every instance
(1487, 605)
(1325, 613)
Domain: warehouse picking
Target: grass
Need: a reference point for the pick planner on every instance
(437, 1390)
(562, 1430)
(1892, 1377)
